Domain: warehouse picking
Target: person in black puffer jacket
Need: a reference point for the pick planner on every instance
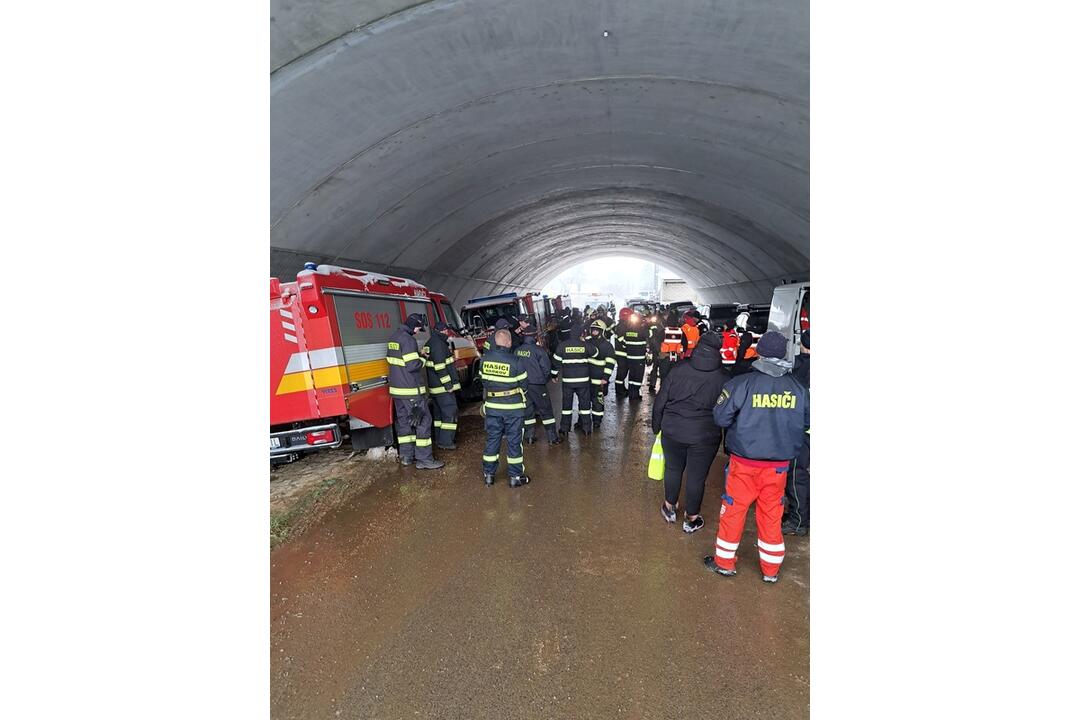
(683, 412)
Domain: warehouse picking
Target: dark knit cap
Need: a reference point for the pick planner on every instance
(772, 345)
(502, 324)
(711, 340)
(441, 326)
(416, 320)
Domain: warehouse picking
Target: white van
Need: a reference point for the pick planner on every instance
(789, 313)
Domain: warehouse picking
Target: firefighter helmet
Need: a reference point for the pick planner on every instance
(741, 319)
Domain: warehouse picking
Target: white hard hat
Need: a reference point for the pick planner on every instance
(741, 319)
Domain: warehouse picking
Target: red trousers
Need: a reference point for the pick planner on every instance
(749, 481)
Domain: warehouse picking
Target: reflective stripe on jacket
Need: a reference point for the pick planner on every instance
(572, 359)
(505, 380)
(405, 364)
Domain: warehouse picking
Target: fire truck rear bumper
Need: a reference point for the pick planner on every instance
(315, 437)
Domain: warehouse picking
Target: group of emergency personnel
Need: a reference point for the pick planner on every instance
(756, 399)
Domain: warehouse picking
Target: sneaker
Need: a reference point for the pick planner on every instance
(692, 526)
(429, 464)
(447, 447)
(406, 461)
(711, 566)
(519, 481)
(669, 515)
(770, 578)
(489, 480)
(792, 529)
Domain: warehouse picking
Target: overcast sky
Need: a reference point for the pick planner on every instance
(623, 277)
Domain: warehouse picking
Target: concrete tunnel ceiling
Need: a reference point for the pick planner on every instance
(480, 146)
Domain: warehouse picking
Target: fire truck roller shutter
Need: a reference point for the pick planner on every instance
(365, 324)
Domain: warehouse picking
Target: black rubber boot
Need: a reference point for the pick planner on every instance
(519, 481)
(489, 480)
(711, 566)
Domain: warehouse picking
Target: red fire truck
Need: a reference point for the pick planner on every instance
(328, 369)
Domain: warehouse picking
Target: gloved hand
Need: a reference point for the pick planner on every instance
(416, 414)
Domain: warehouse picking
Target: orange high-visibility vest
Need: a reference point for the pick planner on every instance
(692, 336)
(672, 340)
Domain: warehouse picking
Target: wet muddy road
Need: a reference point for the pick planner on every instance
(430, 595)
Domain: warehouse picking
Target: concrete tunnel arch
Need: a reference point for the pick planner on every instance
(480, 146)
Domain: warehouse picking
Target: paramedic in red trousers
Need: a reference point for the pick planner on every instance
(767, 413)
(412, 420)
(682, 414)
(442, 382)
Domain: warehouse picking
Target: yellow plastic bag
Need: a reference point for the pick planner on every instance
(656, 462)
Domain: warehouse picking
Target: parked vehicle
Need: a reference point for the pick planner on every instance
(789, 313)
(480, 314)
(643, 307)
(328, 369)
(680, 306)
(720, 314)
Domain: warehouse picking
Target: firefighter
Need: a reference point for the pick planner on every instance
(565, 323)
(691, 332)
(602, 316)
(500, 324)
(601, 369)
(797, 515)
(620, 352)
(672, 346)
(505, 381)
(412, 420)
(634, 341)
(442, 382)
(518, 336)
(572, 360)
(655, 340)
(538, 365)
(766, 413)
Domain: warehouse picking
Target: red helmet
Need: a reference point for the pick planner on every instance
(625, 313)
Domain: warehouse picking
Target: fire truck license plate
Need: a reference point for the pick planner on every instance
(275, 443)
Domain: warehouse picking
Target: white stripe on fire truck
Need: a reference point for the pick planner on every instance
(331, 357)
(290, 338)
(285, 314)
(315, 360)
(288, 326)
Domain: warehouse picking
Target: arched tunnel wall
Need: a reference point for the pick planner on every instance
(484, 145)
